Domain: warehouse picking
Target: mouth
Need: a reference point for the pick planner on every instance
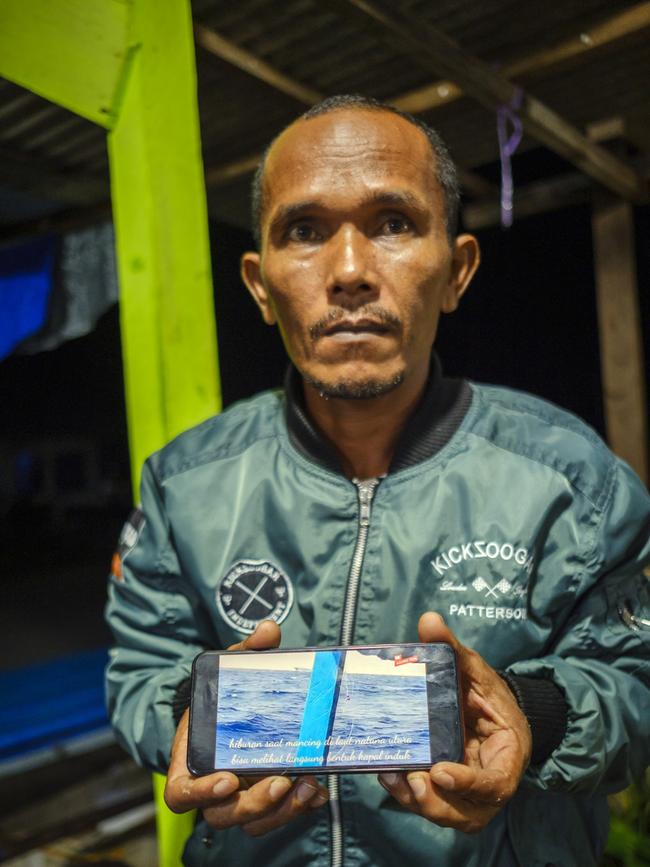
(351, 327)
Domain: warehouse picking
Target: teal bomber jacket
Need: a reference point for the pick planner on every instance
(505, 514)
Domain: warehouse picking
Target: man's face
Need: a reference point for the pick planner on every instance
(356, 265)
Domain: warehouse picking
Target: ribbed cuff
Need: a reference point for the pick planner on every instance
(181, 700)
(545, 708)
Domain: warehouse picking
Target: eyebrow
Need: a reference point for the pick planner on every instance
(394, 198)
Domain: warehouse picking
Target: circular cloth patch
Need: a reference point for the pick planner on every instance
(252, 591)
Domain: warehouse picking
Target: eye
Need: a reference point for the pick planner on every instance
(303, 233)
(396, 226)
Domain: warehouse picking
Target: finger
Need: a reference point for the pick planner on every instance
(183, 791)
(305, 795)
(491, 786)
(267, 635)
(447, 809)
(178, 761)
(397, 786)
(246, 805)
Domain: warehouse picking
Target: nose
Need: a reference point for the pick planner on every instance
(352, 279)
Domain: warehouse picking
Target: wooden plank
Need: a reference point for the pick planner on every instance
(616, 27)
(220, 173)
(531, 199)
(432, 49)
(75, 808)
(71, 52)
(621, 344)
(159, 207)
(223, 48)
(25, 173)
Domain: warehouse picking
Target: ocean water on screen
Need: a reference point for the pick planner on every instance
(379, 719)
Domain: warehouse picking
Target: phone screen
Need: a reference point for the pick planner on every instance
(335, 709)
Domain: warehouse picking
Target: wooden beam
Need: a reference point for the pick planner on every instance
(618, 26)
(475, 185)
(60, 222)
(632, 128)
(533, 65)
(432, 49)
(159, 207)
(531, 199)
(221, 173)
(226, 50)
(215, 176)
(621, 345)
(72, 52)
(24, 173)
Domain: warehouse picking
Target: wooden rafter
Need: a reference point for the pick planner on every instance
(223, 48)
(534, 198)
(614, 28)
(25, 173)
(434, 50)
(481, 81)
(442, 92)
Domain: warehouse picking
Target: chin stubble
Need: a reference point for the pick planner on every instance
(346, 389)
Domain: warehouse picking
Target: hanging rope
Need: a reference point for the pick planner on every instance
(508, 144)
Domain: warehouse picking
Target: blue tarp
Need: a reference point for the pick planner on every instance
(26, 277)
(45, 704)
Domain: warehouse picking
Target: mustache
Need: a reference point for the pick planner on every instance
(368, 311)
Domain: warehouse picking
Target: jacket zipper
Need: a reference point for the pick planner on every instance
(365, 493)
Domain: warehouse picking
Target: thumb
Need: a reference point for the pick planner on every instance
(432, 628)
(267, 635)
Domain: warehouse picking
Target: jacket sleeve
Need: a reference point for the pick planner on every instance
(157, 625)
(601, 659)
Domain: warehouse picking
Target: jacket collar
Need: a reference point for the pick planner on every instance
(435, 420)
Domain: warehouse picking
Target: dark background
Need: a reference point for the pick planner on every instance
(528, 321)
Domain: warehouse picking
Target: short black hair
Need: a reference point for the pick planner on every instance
(446, 173)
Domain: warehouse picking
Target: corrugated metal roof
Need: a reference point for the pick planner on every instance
(318, 45)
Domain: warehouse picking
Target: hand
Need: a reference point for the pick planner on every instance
(497, 748)
(257, 804)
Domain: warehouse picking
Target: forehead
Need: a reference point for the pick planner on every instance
(336, 157)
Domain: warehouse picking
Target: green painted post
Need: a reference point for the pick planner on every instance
(128, 65)
(166, 303)
(159, 207)
(71, 52)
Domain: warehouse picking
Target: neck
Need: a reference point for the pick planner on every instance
(365, 432)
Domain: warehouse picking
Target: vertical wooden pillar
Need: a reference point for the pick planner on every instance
(161, 229)
(621, 344)
(159, 207)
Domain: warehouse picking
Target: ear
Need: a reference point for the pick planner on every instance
(465, 259)
(251, 274)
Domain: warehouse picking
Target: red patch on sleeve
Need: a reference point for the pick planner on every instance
(116, 567)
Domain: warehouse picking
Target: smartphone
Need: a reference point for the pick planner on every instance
(333, 709)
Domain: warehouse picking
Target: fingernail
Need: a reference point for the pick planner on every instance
(418, 786)
(389, 779)
(320, 799)
(305, 792)
(223, 787)
(445, 781)
(279, 787)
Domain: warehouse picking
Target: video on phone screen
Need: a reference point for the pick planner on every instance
(334, 708)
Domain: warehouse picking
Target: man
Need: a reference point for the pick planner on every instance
(369, 494)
